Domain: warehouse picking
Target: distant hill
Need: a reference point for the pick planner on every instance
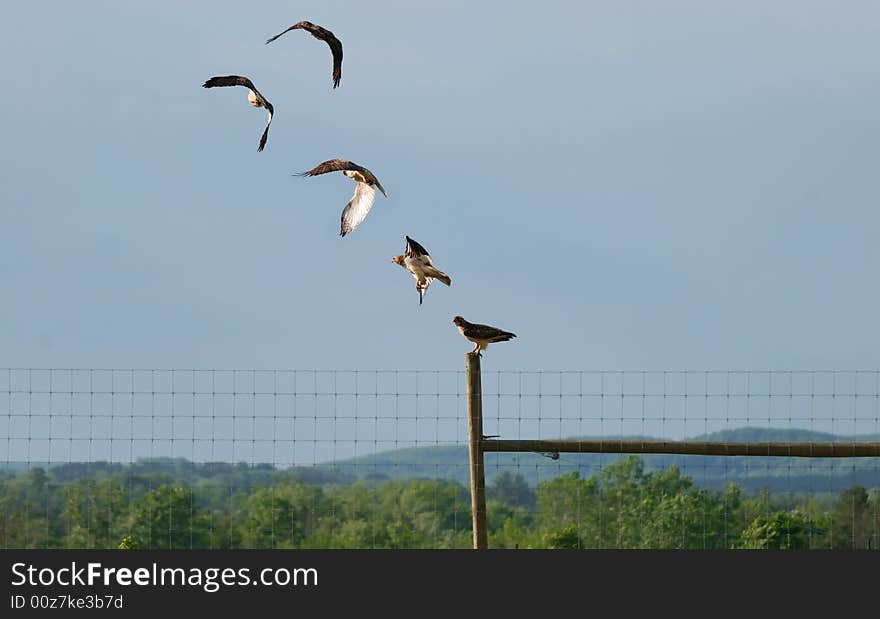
(776, 473)
(794, 435)
(779, 474)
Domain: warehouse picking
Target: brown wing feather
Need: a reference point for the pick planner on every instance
(324, 35)
(238, 80)
(265, 136)
(335, 165)
(282, 33)
(336, 50)
(413, 248)
(486, 332)
(229, 80)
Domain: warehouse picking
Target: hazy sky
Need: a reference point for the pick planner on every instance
(624, 185)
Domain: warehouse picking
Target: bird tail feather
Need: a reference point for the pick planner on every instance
(503, 337)
(438, 274)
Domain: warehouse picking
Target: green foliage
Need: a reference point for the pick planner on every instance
(280, 516)
(624, 504)
(167, 517)
(855, 519)
(566, 538)
(512, 490)
(94, 514)
(29, 505)
(508, 526)
(625, 507)
(779, 530)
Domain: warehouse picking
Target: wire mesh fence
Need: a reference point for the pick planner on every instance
(378, 458)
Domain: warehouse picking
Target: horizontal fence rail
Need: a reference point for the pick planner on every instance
(796, 450)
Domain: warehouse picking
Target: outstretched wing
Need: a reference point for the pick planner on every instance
(335, 47)
(238, 80)
(414, 249)
(357, 208)
(324, 35)
(419, 258)
(230, 80)
(294, 27)
(340, 165)
(333, 165)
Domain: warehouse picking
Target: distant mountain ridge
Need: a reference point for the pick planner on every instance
(754, 434)
(776, 473)
(450, 462)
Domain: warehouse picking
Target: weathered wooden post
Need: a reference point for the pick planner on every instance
(475, 450)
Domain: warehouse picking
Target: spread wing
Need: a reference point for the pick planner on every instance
(419, 259)
(357, 208)
(233, 80)
(340, 165)
(229, 80)
(335, 47)
(414, 249)
(485, 332)
(324, 35)
(238, 80)
(334, 165)
(280, 34)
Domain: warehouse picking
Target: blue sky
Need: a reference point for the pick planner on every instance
(624, 185)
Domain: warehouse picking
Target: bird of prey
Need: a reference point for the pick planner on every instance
(325, 35)
(481, 335)
(417, 261)
(254, 98)
(364, 195)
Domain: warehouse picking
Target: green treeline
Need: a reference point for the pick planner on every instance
(236, 506)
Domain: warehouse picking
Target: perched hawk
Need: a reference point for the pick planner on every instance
(481, 335)
(325, 35)
(417, 261)
(364, 195)
(254, 98)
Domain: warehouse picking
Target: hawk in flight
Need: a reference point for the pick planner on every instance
(361, 202)
(481, 335)
(328, 37)
(417, 261)
(254, 98)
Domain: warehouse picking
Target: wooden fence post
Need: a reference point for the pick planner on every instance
(475, 451)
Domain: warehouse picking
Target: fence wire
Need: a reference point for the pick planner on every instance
(378, 458)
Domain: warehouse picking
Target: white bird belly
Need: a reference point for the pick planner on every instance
(416, 268)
